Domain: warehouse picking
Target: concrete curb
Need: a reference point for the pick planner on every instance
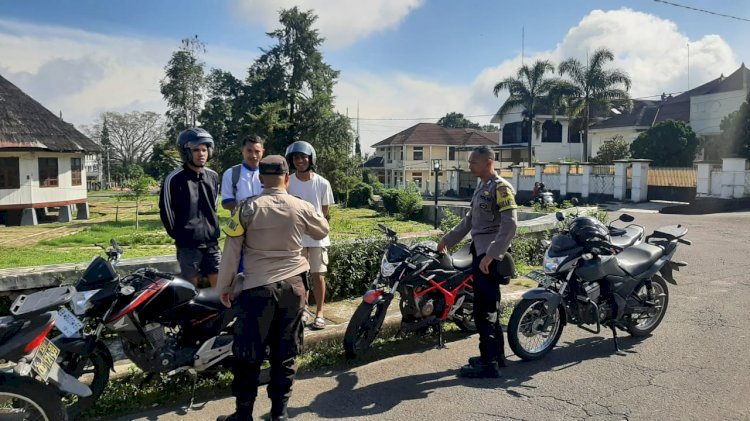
(333, 335)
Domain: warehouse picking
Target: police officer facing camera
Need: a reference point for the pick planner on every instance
(492, 222)
(271, 295)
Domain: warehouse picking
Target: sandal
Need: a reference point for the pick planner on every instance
(319, 323)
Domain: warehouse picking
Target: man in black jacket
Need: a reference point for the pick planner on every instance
(187, 206)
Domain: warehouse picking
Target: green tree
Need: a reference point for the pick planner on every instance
(164, 159)
(669, 143)
(593, 90)
(138, 188)
(528, 90)
(454, 120)
(611, 150)
(735, 132)
(183, 86)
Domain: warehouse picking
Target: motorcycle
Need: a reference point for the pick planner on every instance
(587, 280)
(164, 323)
(29, 384)
(433, 288)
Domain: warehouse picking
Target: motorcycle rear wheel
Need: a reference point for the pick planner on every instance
(91, 369)
(28, 399)
(647, 323)
(363, 328)
(527, 335)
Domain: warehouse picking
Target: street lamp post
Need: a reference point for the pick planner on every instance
(436, 166)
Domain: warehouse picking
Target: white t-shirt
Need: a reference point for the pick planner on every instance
(248, 184)
(318, 192)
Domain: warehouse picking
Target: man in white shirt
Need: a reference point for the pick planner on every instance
(241, 181)
(308, 185)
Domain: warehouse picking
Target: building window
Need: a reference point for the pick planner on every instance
(417, 178)
(451, 153)
(9, 175)
(552, 132)
(48, 172)
(418, 153)
(389, 154)
(75, 171)
(514, 133)
(401, 154)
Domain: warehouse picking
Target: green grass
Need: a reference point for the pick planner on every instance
(151, 239)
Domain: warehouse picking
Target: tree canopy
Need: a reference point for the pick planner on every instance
(611, 150)
(735, 131)
(670, 143)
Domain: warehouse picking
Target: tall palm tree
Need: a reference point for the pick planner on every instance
(593, 90)
(529, 89)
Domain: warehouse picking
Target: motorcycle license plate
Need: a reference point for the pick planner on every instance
(68, 323)
(543, 279)
(45, 358)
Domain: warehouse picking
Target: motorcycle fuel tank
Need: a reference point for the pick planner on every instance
(163, 307)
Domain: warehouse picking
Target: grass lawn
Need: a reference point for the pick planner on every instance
(75, 242)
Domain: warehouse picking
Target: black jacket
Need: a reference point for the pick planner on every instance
(187, 206)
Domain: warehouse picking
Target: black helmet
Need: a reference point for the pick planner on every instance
(590, 233)
(191, 138)
(300, 147)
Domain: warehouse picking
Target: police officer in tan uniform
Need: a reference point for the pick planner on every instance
(271, 297)
(492, 222)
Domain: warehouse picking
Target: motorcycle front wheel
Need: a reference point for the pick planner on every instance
(645, 323)
(534, 328)
(363, 328)
(23, 398)
(92, 369)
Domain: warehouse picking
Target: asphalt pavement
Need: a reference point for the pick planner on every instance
(696, 365)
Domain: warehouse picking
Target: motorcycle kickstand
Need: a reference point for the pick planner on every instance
(194, 376)
(614, 336)
(441, 340)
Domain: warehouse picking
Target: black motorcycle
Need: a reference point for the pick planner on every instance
(433, 288)
(589, 281)
(30, 384)
(164, 323)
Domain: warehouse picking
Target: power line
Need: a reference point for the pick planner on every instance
(702, 10)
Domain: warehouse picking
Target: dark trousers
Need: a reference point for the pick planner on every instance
(486, 306)
(268, 316)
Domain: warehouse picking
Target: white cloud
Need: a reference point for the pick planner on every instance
(341, 22)
(82, 74)
(651, 50)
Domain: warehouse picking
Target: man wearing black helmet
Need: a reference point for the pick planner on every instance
(187, 206)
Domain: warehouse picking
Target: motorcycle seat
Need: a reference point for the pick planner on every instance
(626, 237)
(637, 259)
(209, 297)
(462, 258)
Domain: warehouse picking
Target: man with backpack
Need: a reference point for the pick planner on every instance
(241, 181)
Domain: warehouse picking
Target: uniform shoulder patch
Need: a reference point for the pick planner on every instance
(505, 197)
(234, 228)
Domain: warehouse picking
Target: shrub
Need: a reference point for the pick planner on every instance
(448, 220)
(352, 265)
(360, 196)
(409, 202)
(390, 200)
(377, 187)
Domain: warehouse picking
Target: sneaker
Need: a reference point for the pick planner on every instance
(482, 370)
(474, 361)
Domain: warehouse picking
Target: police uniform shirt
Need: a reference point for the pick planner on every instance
(270, 227)
(491, 219)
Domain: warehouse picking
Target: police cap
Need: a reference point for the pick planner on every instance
(274, 165)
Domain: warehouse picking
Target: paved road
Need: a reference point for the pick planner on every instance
(696, 366)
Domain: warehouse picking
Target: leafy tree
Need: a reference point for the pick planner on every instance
(457, 121)
(164, 159)
(593, 90)
(735, 132)
(669, 143)
(183, 86)
(138, 188)
(490, 128)
(529, 89)
(129, 138)
(611, 150)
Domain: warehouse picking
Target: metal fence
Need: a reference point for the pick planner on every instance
(603, 170)
(672, 177)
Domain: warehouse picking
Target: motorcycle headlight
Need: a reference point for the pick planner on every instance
(387, 268)
(80, 302)
(551, 264)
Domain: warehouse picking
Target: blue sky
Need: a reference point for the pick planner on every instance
(399, 59)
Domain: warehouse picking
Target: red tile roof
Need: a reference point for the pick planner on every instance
(432, 134)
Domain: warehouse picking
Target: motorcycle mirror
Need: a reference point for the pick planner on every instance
(559, 215)
(574, 201)
(626, 218)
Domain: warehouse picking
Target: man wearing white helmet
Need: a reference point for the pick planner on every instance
(308, 185)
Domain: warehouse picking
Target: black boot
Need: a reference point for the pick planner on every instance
(474, 361)
(481, 370)
(243, 413)
(278, 411)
